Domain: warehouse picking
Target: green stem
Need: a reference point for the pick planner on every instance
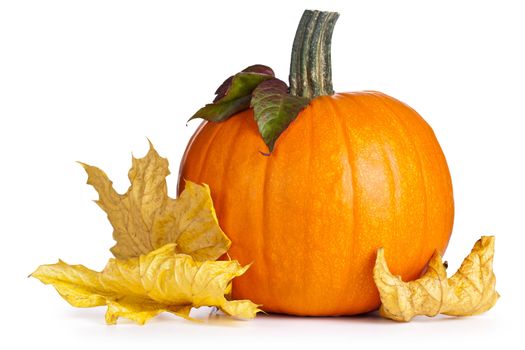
(311, 67)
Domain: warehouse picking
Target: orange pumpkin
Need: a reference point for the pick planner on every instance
(352, 173)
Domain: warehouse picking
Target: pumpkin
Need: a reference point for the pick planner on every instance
(353, 172)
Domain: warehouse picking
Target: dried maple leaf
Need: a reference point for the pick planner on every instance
(145, 218)
(470, 291)
(141, 288)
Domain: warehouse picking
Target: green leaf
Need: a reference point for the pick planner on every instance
(218, 112)
(225, 86)
(274, 109)
(234, 94)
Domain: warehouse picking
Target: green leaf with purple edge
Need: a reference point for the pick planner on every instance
(225, 86)
(274, 109)
(218, 112)
(234, 94)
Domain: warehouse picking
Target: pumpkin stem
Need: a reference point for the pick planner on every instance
(311, 66)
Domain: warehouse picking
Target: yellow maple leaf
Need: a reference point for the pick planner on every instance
(140, 288)
(145, 218)
(470, 291)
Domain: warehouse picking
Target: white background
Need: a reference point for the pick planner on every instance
(90, 80)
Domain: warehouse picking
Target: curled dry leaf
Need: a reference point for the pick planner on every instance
(141, 288)
(470, 291)
(145, 218)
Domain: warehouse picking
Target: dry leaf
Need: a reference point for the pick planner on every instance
(140, 288)
(145, 218)
(471, 291)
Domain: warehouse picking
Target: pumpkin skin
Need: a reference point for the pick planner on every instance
(352, 173)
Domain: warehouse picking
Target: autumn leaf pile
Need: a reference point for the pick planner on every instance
(166, 251)
(166, 255)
